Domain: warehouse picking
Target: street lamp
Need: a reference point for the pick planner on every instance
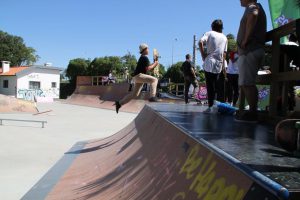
(175, 40)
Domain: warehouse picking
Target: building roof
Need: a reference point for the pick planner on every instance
(13, 70)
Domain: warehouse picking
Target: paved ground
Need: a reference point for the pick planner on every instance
(28, 151)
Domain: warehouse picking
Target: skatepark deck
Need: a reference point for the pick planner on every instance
(176, 152)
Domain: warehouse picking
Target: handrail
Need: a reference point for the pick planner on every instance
(19, 120)
(282, 31)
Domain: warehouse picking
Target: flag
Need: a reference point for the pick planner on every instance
(284, 11)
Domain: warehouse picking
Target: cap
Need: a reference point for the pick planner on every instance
(142, 47)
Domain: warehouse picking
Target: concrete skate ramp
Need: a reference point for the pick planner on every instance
(110, 92)
(13, 105)
(151, 159)
(134, 106)
(104, 97)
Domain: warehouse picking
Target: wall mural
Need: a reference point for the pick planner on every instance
(30, 94)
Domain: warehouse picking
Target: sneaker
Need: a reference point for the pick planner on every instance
(246, 117)
(208, 110)
(118, 106)
(153, 99)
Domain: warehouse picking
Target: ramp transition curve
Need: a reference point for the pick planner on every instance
(150, 159)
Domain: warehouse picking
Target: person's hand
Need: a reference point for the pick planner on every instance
(243, 45)
(156, 63)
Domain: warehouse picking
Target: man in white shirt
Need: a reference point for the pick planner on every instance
(216, 47)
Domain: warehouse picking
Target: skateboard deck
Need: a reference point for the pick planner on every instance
(286, 134)
(155, 58)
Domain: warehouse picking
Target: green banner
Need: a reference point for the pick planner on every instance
(284, 11)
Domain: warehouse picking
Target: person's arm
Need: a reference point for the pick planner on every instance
(224, 65)
(224, 59)
(250, 24)
(201, 47)
(193, 70)
(152, 66)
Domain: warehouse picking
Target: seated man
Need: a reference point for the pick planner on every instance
(111, 79)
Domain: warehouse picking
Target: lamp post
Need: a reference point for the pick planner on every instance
(175, 40)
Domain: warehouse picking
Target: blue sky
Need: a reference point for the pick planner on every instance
(61, 30)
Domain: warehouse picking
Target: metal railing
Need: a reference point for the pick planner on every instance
(19, 120)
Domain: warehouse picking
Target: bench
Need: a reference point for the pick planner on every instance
(18, 120)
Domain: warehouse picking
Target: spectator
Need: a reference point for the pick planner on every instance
(250, 42)
(111, 79)
(216, 44)
(233, 77)
(188, 70)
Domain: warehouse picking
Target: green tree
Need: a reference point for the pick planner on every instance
(162, 71)
(230, 36)
(13, 49)
(201, 75)
(129, 61)
(174, 73)
(232, 45)
(77, 67)
(102, 66)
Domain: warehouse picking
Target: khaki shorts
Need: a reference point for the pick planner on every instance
(249, 65)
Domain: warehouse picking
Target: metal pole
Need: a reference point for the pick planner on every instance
(172, 52)
(194, 51)
(175, 40)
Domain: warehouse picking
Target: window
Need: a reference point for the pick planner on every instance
(5, 83)
(53, 84)
(33, 85)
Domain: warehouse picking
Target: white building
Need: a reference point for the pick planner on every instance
(29, 82)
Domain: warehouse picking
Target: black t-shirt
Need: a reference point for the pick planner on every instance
(142, 65)
(187, 68)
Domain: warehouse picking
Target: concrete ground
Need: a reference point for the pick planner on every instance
(28, 151)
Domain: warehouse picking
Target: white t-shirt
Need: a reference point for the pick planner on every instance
(232, 66)
(216, 44)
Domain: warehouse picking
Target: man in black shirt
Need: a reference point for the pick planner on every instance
(189, 77)
(140, 77)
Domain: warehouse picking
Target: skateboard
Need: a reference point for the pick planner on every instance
(287, 134)
(155, 58)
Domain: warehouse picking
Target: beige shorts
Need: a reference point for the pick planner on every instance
(249, 65)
